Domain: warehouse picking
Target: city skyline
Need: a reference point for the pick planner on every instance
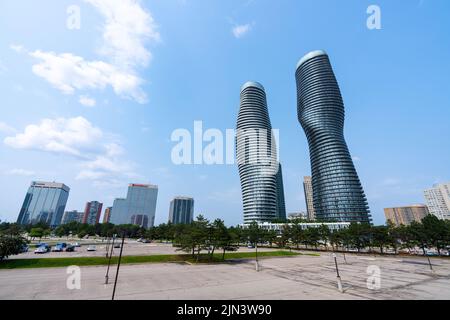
(127, 135)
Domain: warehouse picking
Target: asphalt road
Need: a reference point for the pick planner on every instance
(302, 277)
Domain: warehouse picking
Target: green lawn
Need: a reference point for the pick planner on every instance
(98, 261)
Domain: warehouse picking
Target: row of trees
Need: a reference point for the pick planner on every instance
(430, 233)
(203, 235)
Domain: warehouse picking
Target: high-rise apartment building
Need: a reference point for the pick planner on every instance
(107, 215)
(140, 200)
(337, 191)
(259, 169)
(309, 198)
(92, 212)
(405, 215)
(72, 216)
(44, 202)
(181, 210)
(438, 200)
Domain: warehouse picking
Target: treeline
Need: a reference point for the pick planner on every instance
(203, 235)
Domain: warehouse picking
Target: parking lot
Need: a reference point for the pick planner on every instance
(300, 277)
(131, 248)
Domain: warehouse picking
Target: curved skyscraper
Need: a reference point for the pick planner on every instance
(337, 191)
(259, 169)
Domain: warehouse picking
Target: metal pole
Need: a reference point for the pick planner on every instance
(429, 262)
(118, 266)
(109, 261)
(256, 249)
(107, 246)
(337, 273)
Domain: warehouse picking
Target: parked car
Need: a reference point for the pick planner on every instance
(117, 246)
(24, 249)
(431, 253)
(41, 250)
(62, 244)
(45, 247)
(58, 248)
(76, 245)
(92, 248)
(146, 241)
(445, 253)
(70, 248)
(140, 240)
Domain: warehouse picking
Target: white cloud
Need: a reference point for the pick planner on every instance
(5, 128)
(17, 48)
(87, 101)
(68, 73)
(241, 30)
(72, 136)
(20, 172)
(101, 156)
(127, 29)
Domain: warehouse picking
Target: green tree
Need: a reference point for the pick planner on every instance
(324, 235)
(36, 233)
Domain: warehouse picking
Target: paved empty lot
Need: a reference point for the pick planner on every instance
(302, 277)
(131, 248)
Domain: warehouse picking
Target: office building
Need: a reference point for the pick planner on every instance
(140, 200)
(259, 170)
(181, 210)
(309, 198)
(405, 215)
(337, 191)
(92, 212)
(438, 200)
(297, 216)
(107, 215)
(44, 202)
(140, 220)
(72, 216)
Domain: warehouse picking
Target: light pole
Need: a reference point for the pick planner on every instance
(109, 261)
(339, 282)
(256, 255)
(118, 266)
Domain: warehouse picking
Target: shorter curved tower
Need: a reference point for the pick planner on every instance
(337, 191)
(259, 169)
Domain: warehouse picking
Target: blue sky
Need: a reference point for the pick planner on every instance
(95, 107)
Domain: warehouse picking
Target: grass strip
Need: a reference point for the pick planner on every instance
(99, 261)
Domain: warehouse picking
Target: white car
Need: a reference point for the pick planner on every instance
(40, 250)
(92, 248)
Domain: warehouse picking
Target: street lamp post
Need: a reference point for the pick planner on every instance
(118, 266)
(256, 256)
(339, 282)
(109, 261)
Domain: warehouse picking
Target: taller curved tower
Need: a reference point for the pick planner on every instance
(337, 191)
(259, 169)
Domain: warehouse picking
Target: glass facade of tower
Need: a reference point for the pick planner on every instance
(259, 169)
(140, 200)
(44, 202)
(181, 210)
(337, 191)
